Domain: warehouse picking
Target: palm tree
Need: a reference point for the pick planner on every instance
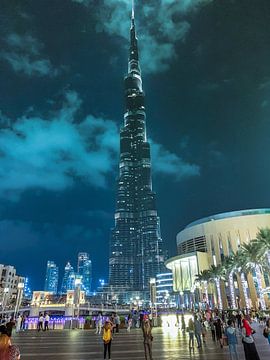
(263, 239)
(202, 278)
(239, 261)
(229, 269)
(254, 258)
(216, 273)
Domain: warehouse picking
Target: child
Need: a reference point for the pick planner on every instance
(107, 338)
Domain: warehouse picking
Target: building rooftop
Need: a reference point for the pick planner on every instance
(229, 214)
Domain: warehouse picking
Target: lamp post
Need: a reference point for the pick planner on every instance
(20, 288)
(153, 294)
(77, 295)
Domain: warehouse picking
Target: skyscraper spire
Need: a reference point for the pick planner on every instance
(132, 11)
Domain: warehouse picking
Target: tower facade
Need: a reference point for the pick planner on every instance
(51, 280)
(136, 252)
(68, 282)
(85, 271)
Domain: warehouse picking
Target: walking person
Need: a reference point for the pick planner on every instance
(40, 322)
(107, 339)
(248, 342)
(147, 338)
(198, 331)
(213, 329)
(99, 323)
(46, 324)
(117, 323)
(230, 332)
(191, 333)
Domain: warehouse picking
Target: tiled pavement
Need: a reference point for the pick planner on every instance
(84, 345)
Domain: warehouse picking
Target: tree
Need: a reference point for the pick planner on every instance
(263, 240)
(239, 263)
(229, 270)
(202, 278)
(217, 273)
(254, 261)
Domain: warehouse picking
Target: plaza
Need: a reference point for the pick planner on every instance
(168, 344)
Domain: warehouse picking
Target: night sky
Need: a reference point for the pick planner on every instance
(206, 72)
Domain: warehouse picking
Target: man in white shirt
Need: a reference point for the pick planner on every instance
(47, 319)
(40, 322)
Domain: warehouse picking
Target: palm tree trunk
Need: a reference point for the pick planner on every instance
(205, 285)
(244, 286)
(217, 281)
(232, 292)
(259, 280)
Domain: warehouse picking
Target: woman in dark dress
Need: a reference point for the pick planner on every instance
(248, 342)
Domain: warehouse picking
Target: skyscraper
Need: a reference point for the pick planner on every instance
(51, 281)
(68, 282)
(85, 270)
(136, 252)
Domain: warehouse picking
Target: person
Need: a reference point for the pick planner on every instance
(204, 332)
(248, 342)
(266, 330)
(191, 333)
(117, 322)
(18, 323)
(107, 339)
(47, 319)
(129, 322)
(239, 320)
(9, 327)
(213, 329)
(198, 331)
(23, 324)
(8, 351)
(40, 322)
(147, 338)
(99, 323)
(183, 324)
(230, 332)
(218, 326)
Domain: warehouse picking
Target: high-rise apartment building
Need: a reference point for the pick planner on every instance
(68, 282)
(136, 253)
(51, 280)
(85, 271)
(9, 281)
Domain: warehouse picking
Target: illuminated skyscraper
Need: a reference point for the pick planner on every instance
(51, 281)
(68, 282)
(85, 270)
(136, 252)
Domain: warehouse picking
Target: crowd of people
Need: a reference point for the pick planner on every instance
(225, 329)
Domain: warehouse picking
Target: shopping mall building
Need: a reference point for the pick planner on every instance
(206, 242)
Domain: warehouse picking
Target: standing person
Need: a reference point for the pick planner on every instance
(8, 351)
(248, 342)
(218, 326)
(40, 322)
(213, 329)
(230, 332)
(18, 323)
(23, 324)
(183, 324)
(129, 322)
(107, 339)
(191, 333)
(117, 322)
(99, 323)
(147, 338)
(239, 320)
(198, 331)
(46, 324)
(112, 320)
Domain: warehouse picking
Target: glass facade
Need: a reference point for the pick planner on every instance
(68, 279)
(136, 252)
(51, 281)
(85, 271)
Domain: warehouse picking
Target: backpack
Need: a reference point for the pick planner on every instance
(265, 332)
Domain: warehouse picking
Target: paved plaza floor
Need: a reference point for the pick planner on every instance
(84, 345)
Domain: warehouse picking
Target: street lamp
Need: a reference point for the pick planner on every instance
(77, 295)
(18, 298)
(153, 294)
